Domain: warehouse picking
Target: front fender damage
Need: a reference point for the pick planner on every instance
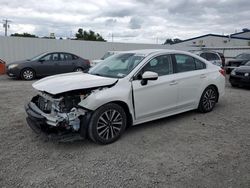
(60, 117)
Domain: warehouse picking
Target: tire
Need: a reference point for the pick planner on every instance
(234, 85)
(107, 124)
(208, 99)
(78, 69)
(27, 74)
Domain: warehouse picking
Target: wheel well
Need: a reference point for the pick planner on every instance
(126, 109)
(216, 89)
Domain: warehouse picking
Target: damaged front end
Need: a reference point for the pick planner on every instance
(58, 116)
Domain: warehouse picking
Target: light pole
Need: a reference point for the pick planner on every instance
(6, 26)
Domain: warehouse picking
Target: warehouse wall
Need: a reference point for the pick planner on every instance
(19, 48)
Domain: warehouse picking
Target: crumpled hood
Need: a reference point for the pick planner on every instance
(71, 81)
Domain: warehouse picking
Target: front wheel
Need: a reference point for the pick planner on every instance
(27, 74)
(208, 99)
(107, 123)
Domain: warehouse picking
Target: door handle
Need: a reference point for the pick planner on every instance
(174, 82)
(203, 76)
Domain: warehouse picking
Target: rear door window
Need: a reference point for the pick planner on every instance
(66, 57)
(185, 63)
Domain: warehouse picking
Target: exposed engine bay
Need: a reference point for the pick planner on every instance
(58, 113)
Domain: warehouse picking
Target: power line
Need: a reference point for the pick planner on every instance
(6, 26)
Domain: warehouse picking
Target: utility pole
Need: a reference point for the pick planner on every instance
(6, 25)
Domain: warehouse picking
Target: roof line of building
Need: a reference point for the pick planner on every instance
(214, 35)
(240, 32)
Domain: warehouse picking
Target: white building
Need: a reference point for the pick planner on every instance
(243, 34)
(230, 45)
(213, 40)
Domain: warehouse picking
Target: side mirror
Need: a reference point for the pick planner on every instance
(148, 75)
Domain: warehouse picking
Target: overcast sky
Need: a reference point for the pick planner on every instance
(142, 21)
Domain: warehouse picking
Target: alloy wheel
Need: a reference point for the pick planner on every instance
(209, 99)
(109, 124)
(28, 74)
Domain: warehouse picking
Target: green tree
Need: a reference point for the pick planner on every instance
(88, 35)
(174, 41)
(169, 41)
(23, 35)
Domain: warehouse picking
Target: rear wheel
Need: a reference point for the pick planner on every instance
(234, 85)
(107, 123)
(78, 69)
(27, 74)
(208, 99)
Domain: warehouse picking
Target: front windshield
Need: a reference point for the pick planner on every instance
(243, 56)
(37, 57)
(117, 66)
(106, 55)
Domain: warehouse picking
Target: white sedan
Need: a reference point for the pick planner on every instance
(128, 88)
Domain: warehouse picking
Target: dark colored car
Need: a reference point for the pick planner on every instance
(240, 76)
(47, 64)
(239, 60)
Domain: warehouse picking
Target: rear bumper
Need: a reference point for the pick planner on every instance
(38, 123)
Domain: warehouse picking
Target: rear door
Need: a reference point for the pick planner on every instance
(66, 63)
(190, 76)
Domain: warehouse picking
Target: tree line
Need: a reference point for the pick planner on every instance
(86, 35)
(80, 35)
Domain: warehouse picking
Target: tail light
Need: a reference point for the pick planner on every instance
(87, 61)
(223, 72)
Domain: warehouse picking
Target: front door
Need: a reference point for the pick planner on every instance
(157, 97)
(47, 65)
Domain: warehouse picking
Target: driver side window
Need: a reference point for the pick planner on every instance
(46, 58)
(50, 57)
(162, 65)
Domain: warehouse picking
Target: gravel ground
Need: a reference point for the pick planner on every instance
(186, 150)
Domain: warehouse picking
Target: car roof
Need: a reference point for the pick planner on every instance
(206, 51)
(151, 51)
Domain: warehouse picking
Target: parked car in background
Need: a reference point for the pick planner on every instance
(105, 56)
(47, 64)
(239, 60)
(216, 58)
(128, 88)
(2, 67)
(240, 76)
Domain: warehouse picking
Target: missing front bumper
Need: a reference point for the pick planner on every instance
(38, 122)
